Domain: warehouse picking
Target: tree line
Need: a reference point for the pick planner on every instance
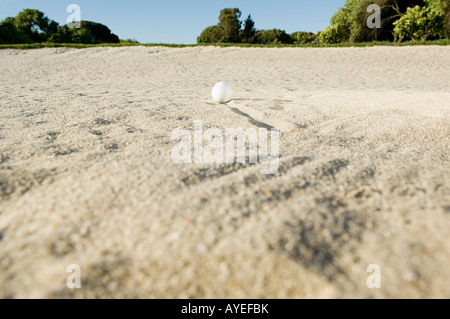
(32, 26)
(401, 20)
(231, 29)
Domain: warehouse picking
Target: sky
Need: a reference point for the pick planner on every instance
(182, 21)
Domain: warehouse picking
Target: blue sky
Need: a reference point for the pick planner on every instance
(181, 21)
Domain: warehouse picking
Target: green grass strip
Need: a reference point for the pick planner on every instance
(222, 45)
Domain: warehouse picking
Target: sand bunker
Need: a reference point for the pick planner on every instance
(86, 175)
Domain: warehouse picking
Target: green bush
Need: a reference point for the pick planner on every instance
(85, 36)
(211, 34)
(274, 36)
(129, 41)
(332, 35)
(63, 35)
(420, 23)
(442, 7)
(66, 35)
(304, 38)
(10, 35)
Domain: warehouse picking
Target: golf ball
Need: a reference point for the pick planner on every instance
(222, 92)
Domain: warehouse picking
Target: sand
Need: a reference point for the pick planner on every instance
(87, 178)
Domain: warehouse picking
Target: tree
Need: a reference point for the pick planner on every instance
(274, 36)
(230, 25)
(352, 19)
(35, 25)
(100, 32)
(226, 31)
(248, 35)
(31, 25)
(420, 23)
(342, 19)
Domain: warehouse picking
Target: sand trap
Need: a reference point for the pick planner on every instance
(86, 175)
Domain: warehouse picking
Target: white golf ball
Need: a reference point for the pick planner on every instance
(222, 92)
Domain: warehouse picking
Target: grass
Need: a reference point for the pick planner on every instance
(223, 45)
